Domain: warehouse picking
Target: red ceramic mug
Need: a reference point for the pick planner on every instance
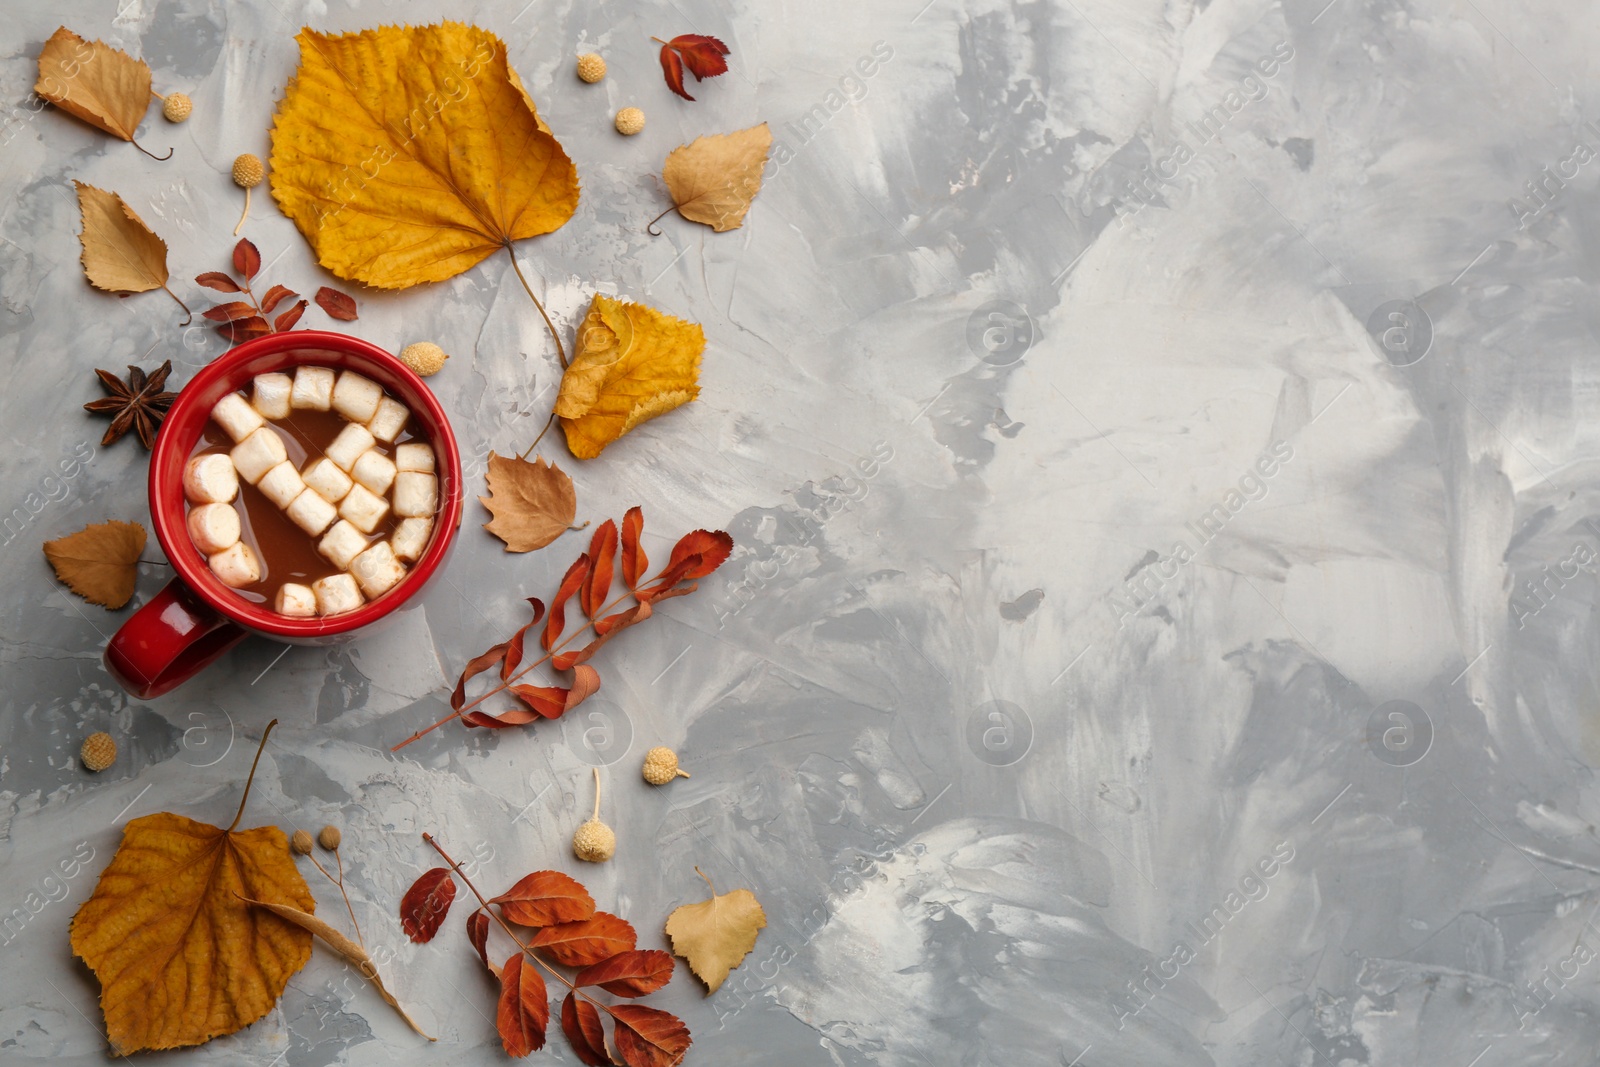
(196, 618)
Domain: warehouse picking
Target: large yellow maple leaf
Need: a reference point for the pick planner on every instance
(410, 154)
(632, 363)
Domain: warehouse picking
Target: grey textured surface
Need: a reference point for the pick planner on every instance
(1024, 674)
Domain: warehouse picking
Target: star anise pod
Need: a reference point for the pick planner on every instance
(137, 404)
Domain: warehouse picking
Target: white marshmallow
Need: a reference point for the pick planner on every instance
(311, 513)
(410, 538)
(271, 397)
(412, 456)
(355, 397)
(327, 479)
(376, 570)
(281, 484)
(415, 494)
(210, 479)
(352, 441)
(390, 418)
(336, 594)
(313, 388)
(295, 600)
(213, 527)
(234, 414)
(375, 471)
(236, 566)
(258, 453)
(363, 508)
(341, 544)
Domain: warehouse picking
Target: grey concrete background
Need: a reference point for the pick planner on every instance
(1160, 442)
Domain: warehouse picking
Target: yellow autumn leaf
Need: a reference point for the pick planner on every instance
(716, 935)
(410, 154)
(120, 253)
(180, 955)
(105, 87)
(712, 179)
(632, 363)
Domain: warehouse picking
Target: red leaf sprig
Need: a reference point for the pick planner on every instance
(550, 914)
(243, 320)
(701, 54)
(589, 579)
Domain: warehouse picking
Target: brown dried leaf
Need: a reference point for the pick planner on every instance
(532, 503)
(712, 179)
(716, 935)
(105, 87)
(341, 306)
(120, 253)
(100, 562)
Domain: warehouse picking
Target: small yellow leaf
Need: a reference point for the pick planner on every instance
(99, 562)
(104, 87)
(716, 935)
(410, 154)
(120, 253)
(713, 179)
(532, 503)
(181, 958)
(632, 363)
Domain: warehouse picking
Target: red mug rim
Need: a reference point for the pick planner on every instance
(228, 373)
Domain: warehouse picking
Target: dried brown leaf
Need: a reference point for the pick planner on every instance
(100, 562)
(532, 503)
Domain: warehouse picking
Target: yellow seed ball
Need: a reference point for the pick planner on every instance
(99, 751)
(248, 171)
(177, 107)
(594, 842)
(300, 842)
(630, 120)
(424, 357)
(328, 838)
(591, 68)
(661, 766)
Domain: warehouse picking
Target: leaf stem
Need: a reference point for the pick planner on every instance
(152, 155)
(245, 214)
(250, 780)
(181, 304)
(547, 424)
(596, 815)
(561, 349)
(651, 228)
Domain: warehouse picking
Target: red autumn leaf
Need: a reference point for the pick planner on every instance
(426, 904)
(602, 554)
(215, 279)
(234, 309)
(701, 54)
(275, 296)
(246, 260)
(587, 941)
(585, 684)
(712, 548)
(558, 604)
(524, 1009)
(514, 647)
(545, 898)
(634, 560)
(478, 934)
(647, 1037)
(286, 321)
(513, 717)
(630, 974)
(580, 1021)
(672, 68)
(548, 700)
(480, 664)
(621, 620)
(613, 625)
(341, 306)
(245, 329)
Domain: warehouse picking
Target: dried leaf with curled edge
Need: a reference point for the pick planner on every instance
(100, 562)
(410, 154)
(532, 503)
(712, 179)
(716, 935)
(120, 253)
(632, 363)
(180, 955)
(105, 87)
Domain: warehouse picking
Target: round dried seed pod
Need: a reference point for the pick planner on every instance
(424, 357)
(328, 837)
(99, 751)
(248, 170)
(630, 120)
(591, 68)
(661, 766)
(595, 842)
(176, 107)
(300, 842)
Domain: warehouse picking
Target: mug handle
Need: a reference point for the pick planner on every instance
(168, 641)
